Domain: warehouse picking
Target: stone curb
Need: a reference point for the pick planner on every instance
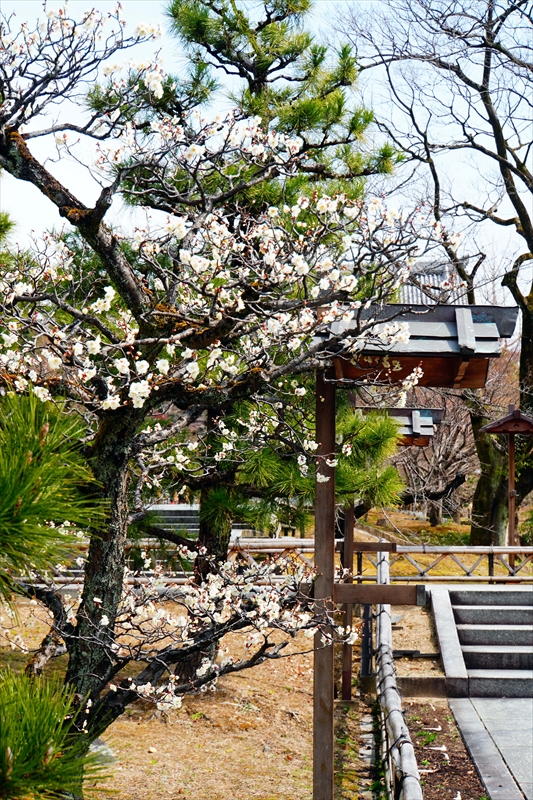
(450, 648)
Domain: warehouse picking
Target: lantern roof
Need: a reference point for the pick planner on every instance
(514, 422)
(443, 330)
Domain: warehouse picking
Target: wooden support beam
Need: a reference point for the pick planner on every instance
(347, 562)
(368, 547)
(466, 335)
(408, 595)
(461, 370)
(375, 547)
(512, 499)
(323, 682)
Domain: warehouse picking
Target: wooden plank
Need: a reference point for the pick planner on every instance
(463, 366)
(416, 421)
(412, 441)
(406, 419)
(476, 373)
(323, 680)
(466, 336)
(439, 372)
(433, 347)
(375, 547)
(409, 595)
(424, 430)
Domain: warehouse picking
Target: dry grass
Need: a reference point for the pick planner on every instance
(249, 739)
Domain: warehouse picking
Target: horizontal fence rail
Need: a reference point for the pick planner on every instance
(427, 563)
(408, 563)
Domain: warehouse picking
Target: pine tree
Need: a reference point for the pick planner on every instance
(39, 758)
(278, 72)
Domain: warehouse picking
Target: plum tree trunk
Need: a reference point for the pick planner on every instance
(104, 570)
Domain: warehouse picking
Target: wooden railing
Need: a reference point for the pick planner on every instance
(469, 564)
(408, 563)
(398, 755)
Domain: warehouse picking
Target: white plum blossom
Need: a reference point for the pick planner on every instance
(111, 402)
(142, 367)
(162, 366)
(42, 393)
(139, 391)
(192, 369)
(54, 362)
(104, 303)
(94, 346)
(122, 365)
(9, 339)
(177, 226)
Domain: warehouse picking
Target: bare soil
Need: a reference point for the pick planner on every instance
(445, 766)
(413, 629)
(249, 739)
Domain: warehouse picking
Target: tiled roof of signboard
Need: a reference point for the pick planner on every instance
(434, 282)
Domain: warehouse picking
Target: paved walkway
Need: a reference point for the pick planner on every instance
(498, 733)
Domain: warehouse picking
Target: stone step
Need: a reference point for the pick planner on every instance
(493, 615)
(495, 656)
(500, 683)
(493, 596)
(495, 634)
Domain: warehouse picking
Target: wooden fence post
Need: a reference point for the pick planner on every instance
(323, 736)
(348, 608)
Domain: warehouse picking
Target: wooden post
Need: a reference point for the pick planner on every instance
(366, 641)
(323, 736)
(512, 499)
(346, 692)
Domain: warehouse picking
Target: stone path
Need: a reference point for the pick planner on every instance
(498, 734)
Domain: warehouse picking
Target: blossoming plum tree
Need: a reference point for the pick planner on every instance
(208, 302)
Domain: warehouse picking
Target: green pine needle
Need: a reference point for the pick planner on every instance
(39, 759)
(44, 483)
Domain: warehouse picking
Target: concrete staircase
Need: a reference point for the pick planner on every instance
(184, 520)
(486, 640)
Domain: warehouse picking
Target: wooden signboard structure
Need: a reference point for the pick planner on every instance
(453, 345)
(512, 424)
(416, 426)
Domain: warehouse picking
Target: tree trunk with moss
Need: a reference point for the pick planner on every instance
(435, 513)
(104, 570)
(489, 507)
